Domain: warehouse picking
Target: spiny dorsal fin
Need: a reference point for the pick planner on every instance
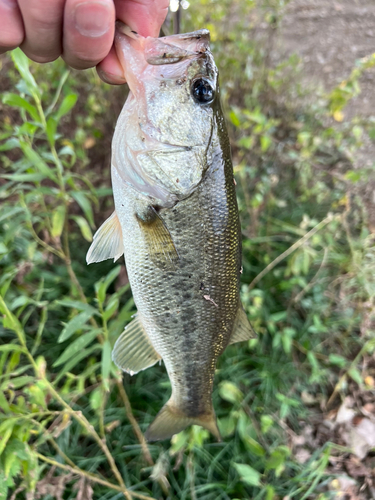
(133, 350)
(161, 248)
(107, 242)
(242, 329)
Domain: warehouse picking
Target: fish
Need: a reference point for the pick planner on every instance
(176, 221)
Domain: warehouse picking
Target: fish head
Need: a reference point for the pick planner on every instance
(164, 133)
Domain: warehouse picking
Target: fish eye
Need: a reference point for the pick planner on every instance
(202, 91)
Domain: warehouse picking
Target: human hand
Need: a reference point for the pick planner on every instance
(81, 31)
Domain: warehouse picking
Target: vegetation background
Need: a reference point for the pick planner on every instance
(296, 406)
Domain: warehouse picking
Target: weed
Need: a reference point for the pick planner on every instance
(66, 413)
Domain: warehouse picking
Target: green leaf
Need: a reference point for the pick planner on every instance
(11, 463)
(51, 130)
(96, 398)
(17, 382)
(84, 227)
(338, 360)
(85, 353)
(277, 459)
(4, 403)
(356, 376)
(24, 177)
(230, 392)
(102, 285)
(37, 161)
(6, 429)
(76, 304)
(234, 119)
(11, 322)
(22, 64)
(3, 248)
(253, 446)
(68, 103)
(74, 324)
(36, 395)
(265, 143)
(266, 422)
(58, 219)
(76, 346)
(106, 364)
(17, 101)
(10, 212)
(85, 204)
(247, 474)
(111, 307)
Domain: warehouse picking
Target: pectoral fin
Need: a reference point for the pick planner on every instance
(133, 351)
(160, 245)
(242, 329)
(107, 242)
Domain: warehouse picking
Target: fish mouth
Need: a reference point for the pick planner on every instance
(170, 49)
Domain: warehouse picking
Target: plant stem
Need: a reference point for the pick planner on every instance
(90, 429)
(291, 249)
(134, 423)
(45, 245)
(351, 366)
(76, 415)
(90, 476)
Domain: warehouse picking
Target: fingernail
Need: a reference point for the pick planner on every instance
(110, 78)
(93, 19)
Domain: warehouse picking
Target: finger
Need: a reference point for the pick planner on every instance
(110, 70)
(143, 16)
(43, 27)
(11, 25)
(89, 28)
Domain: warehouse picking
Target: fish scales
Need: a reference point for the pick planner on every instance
(186, 288)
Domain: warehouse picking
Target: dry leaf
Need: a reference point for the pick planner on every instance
(89, 143)
(345, 414)
(52, 485)
(302, 455)
(362, 438)
(112, 425)
(85, 492)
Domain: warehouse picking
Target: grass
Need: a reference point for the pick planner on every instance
(67, 416)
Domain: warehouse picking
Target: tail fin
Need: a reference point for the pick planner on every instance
(171, 420)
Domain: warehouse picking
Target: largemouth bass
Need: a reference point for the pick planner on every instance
(176, 221)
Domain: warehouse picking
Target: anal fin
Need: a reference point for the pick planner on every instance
(107, 242)
(242, 329)
(133, 351)
(160, 245)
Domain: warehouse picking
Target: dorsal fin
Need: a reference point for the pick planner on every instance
(107, 242)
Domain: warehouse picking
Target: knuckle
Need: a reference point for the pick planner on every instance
(45, 15)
